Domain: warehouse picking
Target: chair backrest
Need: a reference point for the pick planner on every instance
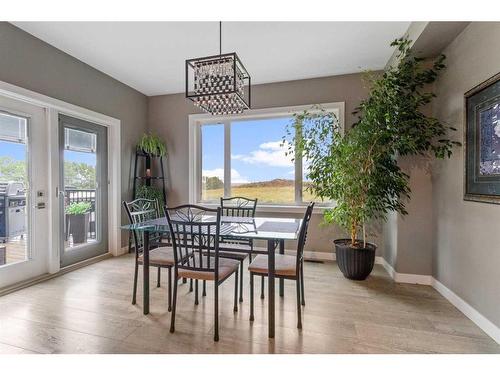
(139, 211)
(195, 234)
(238, 206)
(303, 234)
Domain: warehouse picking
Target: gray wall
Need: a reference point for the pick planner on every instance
(466, 252)
(168, 117)
(28, 62)
(408, 239)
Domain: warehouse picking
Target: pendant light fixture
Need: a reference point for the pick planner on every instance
(218, 84)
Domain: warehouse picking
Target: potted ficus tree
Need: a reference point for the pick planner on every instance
(78, 220)
(359, 170)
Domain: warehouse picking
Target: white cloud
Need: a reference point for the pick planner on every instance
(217, 172)
(270, 153)
(236, 177)
(274, 146)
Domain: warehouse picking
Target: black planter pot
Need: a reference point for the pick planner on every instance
(79, 227)
(355, 263)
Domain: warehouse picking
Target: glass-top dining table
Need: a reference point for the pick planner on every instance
(273, 230)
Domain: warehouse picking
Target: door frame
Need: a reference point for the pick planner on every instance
(36, 257)
(54, 107)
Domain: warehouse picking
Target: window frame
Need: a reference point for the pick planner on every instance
(195, 155)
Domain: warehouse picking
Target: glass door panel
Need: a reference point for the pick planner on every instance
(23, 188)
(14, 177)
(83, 151)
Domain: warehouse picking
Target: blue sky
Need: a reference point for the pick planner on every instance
(17, 151)
(256, 154)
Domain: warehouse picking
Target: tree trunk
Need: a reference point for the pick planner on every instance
(353, 234)
(364, 235)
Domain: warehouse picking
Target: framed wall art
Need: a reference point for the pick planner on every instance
(482, 142)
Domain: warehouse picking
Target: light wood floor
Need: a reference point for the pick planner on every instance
(89, 311)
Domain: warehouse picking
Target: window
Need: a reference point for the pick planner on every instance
(212, 162)
(259, 165)
(243, 156)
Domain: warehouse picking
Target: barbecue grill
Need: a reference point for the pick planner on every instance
(12, 210)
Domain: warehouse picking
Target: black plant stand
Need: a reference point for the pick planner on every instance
(147, 179)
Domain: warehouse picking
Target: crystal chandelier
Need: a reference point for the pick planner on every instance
(218, 84)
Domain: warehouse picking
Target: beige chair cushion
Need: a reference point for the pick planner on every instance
(284, 265)
(161, 256)
(226, 268)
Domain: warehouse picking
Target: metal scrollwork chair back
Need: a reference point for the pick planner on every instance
(195, 233)
(238, 206)
(161, 256)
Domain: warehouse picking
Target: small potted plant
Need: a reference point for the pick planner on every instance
(150, 192)
(359, 171)
(152, 145)
(78, 223)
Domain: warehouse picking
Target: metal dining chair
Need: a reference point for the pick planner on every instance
(235, 248)
(290, 267)
(161, 255)
(195, 232)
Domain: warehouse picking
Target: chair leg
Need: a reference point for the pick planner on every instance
(241, 281)
(302, 284)
(299, 307)
(134, 292)
(196, 292)
(158, 279)
(190, 285)
(216, 311)
(235, 308)
(251, 297)
(172, 319)
(262, 288)
(204, 293)
(170, 288)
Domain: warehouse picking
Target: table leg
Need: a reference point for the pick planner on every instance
(270, 259)
(281, 280)
(145, 279)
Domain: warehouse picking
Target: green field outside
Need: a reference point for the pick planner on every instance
(276, 195)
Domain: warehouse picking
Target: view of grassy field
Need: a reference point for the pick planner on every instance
(275, 191)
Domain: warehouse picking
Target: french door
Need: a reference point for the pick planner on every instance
(24, 215)
(83, 191)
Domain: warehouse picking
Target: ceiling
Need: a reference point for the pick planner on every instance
(149, 56)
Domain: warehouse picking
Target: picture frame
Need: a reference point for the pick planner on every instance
(482, 142)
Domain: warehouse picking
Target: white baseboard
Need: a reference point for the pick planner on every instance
(407, 278)
(123, 250)
(387, 267)
(480, 320)
(475, 316)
